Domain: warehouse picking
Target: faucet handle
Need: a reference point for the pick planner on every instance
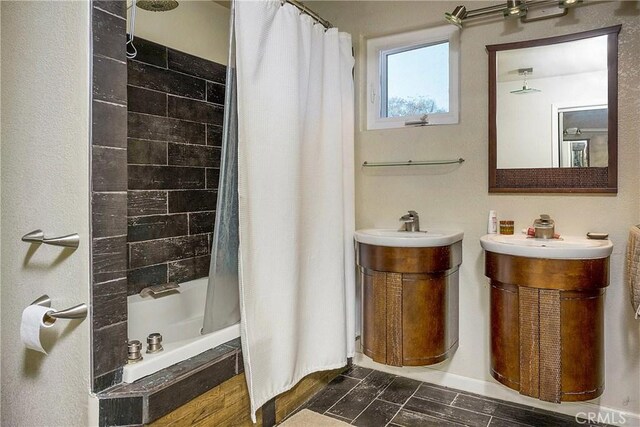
(409, 216)
(411, 221)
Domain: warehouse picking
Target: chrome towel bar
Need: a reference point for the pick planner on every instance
(76, 312)
(412, 163)
(37, 236)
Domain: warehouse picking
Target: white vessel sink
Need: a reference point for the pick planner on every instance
(408, 239)
(567, 247)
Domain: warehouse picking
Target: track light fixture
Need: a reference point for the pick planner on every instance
(510, 9)
(456, 17)
(568, 3)
(515, 9)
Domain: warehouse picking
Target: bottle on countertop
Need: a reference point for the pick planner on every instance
(492, 225)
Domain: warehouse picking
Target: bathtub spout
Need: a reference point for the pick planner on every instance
(156, 290)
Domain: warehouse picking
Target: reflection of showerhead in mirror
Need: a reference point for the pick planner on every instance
(525, 89)
(525, 85)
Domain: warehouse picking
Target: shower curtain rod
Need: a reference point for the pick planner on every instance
(311, 13)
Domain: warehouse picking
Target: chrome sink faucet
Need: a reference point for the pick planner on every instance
(411, 221)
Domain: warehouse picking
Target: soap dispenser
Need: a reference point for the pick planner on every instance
(544, 227)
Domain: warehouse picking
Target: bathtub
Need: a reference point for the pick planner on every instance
(178, 317)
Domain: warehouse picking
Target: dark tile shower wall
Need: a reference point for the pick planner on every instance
(108, 193)
(164, 222)
(175, 114)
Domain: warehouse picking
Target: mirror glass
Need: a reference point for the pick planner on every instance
(582, 137)
(553, 114)
(551, 105)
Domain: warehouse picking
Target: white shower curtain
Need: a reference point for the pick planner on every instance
(295, 167)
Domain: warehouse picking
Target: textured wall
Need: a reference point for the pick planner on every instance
(45, 184)
(175, 109)
(457, 197)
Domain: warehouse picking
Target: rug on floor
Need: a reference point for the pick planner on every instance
(307, 418)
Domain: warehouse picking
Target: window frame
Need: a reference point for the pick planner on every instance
(379, 48)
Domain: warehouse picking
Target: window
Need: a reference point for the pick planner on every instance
(411, 75)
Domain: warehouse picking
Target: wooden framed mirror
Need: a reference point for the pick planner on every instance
(553, 114)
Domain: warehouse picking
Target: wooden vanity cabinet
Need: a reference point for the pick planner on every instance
(547, 325)
(410, 303)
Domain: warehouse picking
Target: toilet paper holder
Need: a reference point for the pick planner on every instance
(76, 312)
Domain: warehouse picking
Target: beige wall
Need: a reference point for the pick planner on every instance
(198, 27)
(45, 184)
(457, 197)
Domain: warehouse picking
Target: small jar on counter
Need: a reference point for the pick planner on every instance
(506, 227)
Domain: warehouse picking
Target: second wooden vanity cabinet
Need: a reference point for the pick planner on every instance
(410, 303)
(547, 325)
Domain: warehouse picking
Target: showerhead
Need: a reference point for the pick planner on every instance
(525, 85)
(525, 89)
(157, 5)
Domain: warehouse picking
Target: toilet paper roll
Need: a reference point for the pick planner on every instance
(33, 320)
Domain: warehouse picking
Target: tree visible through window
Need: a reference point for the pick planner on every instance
(412, 106)
(418, 81)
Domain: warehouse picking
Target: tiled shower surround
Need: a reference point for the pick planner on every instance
(175, 113)
(155, 150)
(108, 194)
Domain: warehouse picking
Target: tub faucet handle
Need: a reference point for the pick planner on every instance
(134, 349)
(154, 343)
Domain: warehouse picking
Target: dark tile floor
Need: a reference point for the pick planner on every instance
(368, 398)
